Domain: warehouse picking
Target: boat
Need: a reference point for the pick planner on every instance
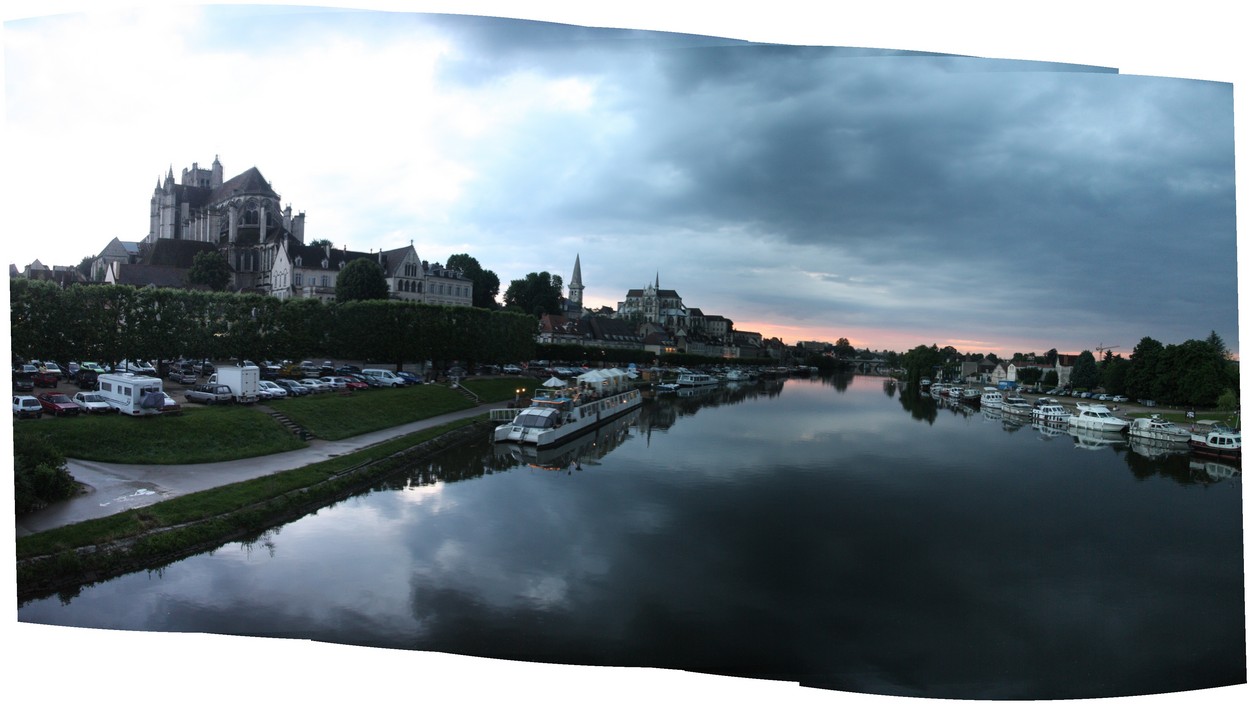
(1048, 410)
(695, 379)
(737, 375)
(991, 398)
(1158, 429)
(1017, 406)
(666, 387)
(1096, 416)
(557, 415)
(971, 396)
(1213, 438)
(954, 393)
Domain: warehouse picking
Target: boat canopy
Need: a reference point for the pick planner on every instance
(605, 380)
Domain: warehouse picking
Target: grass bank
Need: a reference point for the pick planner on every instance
(211, 434)
(338, 416)
(148, 537)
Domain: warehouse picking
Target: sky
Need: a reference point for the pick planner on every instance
(1074, 190)
(897, 196)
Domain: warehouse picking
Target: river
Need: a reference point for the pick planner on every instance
(834, 532)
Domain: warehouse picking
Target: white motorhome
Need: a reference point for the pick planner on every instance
(132, 394)
(244, 382)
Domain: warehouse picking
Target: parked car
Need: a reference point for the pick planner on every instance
(1119, 398)
(27, 407)
(411, 378)
(87, 379)
(71, 370)
(26, 368)
(309, 370)
(183, 374)
(136, 367)
(52, 368)
(354, 383)
(209, 394)
(347, 369)
(271, 390)
(58, 404)
(383, 377)
(203, 367)
(93, 367)
(44, 379)
(335, 382)
(315, 385)
(293, 387)
(93, 402)
(511, 369)
(23, 382)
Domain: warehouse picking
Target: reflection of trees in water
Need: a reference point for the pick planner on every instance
(918, 404)
(840, 381)
(662, 411)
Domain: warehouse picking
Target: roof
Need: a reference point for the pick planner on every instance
(161, 276)
(250, 182)
(175, 253)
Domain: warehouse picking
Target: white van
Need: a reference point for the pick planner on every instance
(132, 394)
(383, 377)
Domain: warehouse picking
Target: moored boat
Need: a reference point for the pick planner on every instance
(1213, 438)
(1095, 416)
(1047, 410)
(695, 379)
(991, 398)
(971, 396)
(1158, 430)
(561, 414)
(1017, 406)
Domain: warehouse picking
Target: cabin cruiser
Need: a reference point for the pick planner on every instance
(1211, 437)
(695, 379)
(1048, 410)
(1017, 406)
(1159, 430)
(1096, 416)
(971, 396)
(991, 398)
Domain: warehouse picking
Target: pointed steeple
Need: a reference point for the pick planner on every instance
(576, 288)
(577, 270)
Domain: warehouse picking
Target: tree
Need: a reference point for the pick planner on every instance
(842, 349)
(536, 294)
(39, 474)
(210, 269)
(84, 267)
(1052, 356)
(323, 243)
(1145, 363)
(485, 282)
(361, 280)
(1085, 371)
(1113, 373)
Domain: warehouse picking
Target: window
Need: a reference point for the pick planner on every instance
(325, 280)
(299, 279)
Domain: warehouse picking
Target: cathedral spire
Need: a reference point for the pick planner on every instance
(576, 288)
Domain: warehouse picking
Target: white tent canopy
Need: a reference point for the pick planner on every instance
(554, 383)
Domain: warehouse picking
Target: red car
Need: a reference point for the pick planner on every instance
(58, 404)
(48, 380)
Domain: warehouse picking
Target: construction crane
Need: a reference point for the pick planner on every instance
(1101, 348)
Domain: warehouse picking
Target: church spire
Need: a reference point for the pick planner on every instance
(576, 288)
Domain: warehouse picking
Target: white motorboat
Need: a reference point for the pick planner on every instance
(1211, 437)
(558, 415)
(1158, 430)
(991, 398)
(1017, 406)
(695, 379)
(1096, 416)
(1050, 411)
(737, 375)
(971, 396)
(954, 393)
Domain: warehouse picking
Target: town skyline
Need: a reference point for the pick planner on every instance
(891, 197)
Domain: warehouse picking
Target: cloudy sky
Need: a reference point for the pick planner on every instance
(899, 196)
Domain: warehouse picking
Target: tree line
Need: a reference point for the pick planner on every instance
(1192, 373)
(107, 323)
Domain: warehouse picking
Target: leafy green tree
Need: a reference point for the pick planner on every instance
(361, 280)
(536, 294)
(485, 281)
(1085, 371)
(1050, 378)
(1113, 373)
(1143, 379)
(210, 269)
(1028, 375)
(321, 243)
(920, 362)
(842, 349)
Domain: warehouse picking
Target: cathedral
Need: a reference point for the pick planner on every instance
(263, 242)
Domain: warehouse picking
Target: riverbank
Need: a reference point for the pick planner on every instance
(68, 557)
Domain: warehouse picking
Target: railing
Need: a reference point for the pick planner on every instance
(503, 415)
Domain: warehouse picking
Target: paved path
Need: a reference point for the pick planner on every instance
(113, 488)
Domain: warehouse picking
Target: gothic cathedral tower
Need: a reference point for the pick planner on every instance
(575, 290)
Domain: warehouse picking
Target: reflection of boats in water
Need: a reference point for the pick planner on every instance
(1214, 470)
(585, 449)
(692, 391)
(1049, 431)
(1087, 439)
(1155, 449)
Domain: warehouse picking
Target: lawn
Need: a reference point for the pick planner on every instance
(336, 416)
(211, 434)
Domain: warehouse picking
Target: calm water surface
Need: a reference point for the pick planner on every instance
(830, 532)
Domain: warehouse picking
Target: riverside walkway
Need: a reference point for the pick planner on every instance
(114, 488)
